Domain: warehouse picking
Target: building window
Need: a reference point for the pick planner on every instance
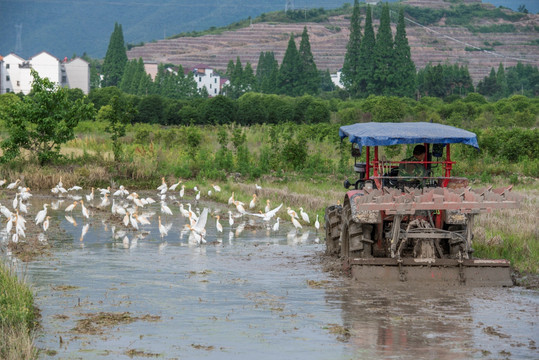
(7, 66)
(18, 83)
(210, 86)
(7, 77)
(200, 79)
(8, 90)
(64, 78)
(215, 81)
(215, 91)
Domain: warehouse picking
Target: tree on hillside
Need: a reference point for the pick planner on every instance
(326, 84)
(174, 85)
(289, 72)
(248, 78)
(351, 63)
(366, 55)
(501, 81)
(267, 72)
(384, 57)
(234, 72)
(404, 67)
(115, 59)
(489, 85)
(310, 80)
(43, 121)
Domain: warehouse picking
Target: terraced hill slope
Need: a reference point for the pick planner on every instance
(438, 43)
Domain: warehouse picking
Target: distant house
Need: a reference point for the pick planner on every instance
(16, 77)
(336, 79)
(205, 77)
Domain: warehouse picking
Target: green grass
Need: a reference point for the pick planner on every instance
(17, 317)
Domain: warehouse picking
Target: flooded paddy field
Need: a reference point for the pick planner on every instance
(119, 293)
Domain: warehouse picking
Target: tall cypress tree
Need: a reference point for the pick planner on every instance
(384, 57)
(115, 59)
(501, 80)
(404, 68)
(267, 72)
(366, 55)
(127, 77)
(351, 63)
(248, 78)
(289, 73)
(310, 79)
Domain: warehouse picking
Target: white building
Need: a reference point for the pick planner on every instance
(205, 77)
(16, 77)
(336, 79)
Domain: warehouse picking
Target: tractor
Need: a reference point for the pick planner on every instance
(399, 228)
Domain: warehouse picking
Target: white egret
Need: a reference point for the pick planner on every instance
(22, 207)
(304, 215)
(71, 207)
(317, 223)
(90, 197)
(239, 207)
(133, 221)
(74, 188)
(182, 191)
(163, 185)
(267, 208)
(5, 211)
(184, 212)
(3, 182)
(162, 230)
(218, 224)
(40, 217)
(199, 229)
(292, 212)
(209, 192)
(125, 220)
(137, 201)
(16, 201)
(174, 186)
(165, 209)
(84, 210)
(13, 185)
(217, 188)
(197, 197)
(296, 223)
(268, 215)
(230, 219)
(105, 201)
(276, 225)
(258, 187)
(104, 192)
(231, 199)
(252, 204)
(25, 194)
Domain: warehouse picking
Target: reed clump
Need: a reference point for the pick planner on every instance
(17, 317)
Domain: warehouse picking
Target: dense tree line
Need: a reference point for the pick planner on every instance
(519, 79)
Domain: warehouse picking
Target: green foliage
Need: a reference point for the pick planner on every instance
(405, 77)
(309, 77)
(115, 59)
(267, 72)
(119, 113)
(150, 110)
(494, 28)
(290, 71)
(193, 140)
(443, 80)
(366, 56)
(384, 58)
(350, 68)
(219, 110)
(251, 109)
(42, 121)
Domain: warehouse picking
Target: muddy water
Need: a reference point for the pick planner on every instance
(250, 293)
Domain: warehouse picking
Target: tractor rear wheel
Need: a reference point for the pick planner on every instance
(354, 243)
(333, 229)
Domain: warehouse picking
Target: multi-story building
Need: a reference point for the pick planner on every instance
(205, 77)
(15, 72)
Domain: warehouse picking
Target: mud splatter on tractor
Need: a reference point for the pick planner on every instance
(395, 227)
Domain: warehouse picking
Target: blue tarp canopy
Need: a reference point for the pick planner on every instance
(382, 134)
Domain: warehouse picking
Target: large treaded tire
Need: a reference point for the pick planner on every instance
(332, 218)
(353, 243)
